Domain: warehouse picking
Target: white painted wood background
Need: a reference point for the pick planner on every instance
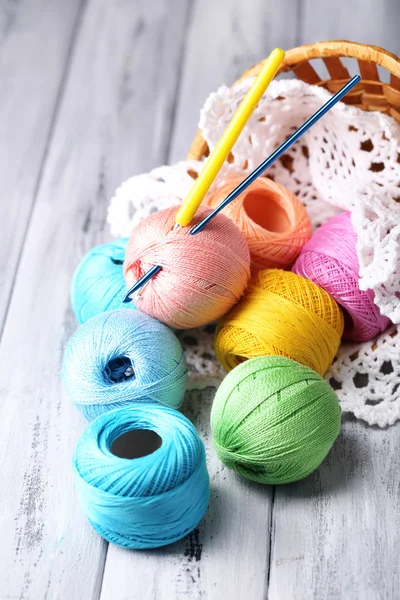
(91, 93)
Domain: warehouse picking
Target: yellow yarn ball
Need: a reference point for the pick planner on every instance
(282, 314)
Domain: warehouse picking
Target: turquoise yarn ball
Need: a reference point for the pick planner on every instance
(98, 283)
(123, 357)
(137, 496)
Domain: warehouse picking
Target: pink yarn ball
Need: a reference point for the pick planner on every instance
(330, 260)
(202, 275)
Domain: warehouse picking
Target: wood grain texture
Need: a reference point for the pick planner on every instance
(210, 563)
(110, 123)
(224, 39)
(335, 535)
(362, 21)
(225, 557)
(36, 37)
(77, 116)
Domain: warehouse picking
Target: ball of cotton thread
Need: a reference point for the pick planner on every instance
(273, 221)
(281, 313)
(202, 275)
(98, 283)
(123, 357)
(274, 420)
(330, 260)
(148, 501)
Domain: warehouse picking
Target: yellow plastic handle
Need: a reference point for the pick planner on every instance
(221, 151)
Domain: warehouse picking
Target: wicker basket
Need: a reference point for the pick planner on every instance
(370, 94)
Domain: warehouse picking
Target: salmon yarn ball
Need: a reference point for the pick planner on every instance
(281, 314)
(202, 275)
(273, 221)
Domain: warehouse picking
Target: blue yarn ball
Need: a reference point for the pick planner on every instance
(146, 501)
(122, 357)
(98, 283)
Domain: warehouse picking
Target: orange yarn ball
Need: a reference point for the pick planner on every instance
(271, 218)
(202, 275)
(281, 314)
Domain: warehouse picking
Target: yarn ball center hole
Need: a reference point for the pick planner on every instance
(273, 217)
(119, 369)
(136, 443)
(116, 261)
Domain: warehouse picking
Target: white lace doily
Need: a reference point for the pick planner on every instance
(350, 160)
(145, 194)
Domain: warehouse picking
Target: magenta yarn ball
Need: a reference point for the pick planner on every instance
(202, 275)
(330, 260)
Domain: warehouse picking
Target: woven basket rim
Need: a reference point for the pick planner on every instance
(340, 49)
(324, 50)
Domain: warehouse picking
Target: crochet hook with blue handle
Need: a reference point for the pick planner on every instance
(277, 153)
(256, 173)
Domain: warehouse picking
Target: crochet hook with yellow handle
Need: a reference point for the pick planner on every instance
(221, 151)
(218, 156)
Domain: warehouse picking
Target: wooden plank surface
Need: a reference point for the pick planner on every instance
(36, 38)
(224, 39)
(79, 114)
(110, 124)
(225, 557)
(361, 21)
(234, 537)
(335, 535)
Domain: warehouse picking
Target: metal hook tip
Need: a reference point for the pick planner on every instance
(127, 298)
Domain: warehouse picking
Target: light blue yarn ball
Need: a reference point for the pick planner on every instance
(144, 502)
(122, 357)
(98, 283)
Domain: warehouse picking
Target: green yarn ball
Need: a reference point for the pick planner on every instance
(274, 420)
